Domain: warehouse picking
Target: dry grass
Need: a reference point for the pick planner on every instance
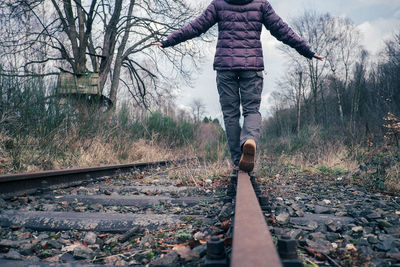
(373, 162)
(30, 155)
(209, 137)
(108, 146)
(332, 156)
(101, 152)
(382, 167)
(314, 151)
(311, 150)
(196, 173)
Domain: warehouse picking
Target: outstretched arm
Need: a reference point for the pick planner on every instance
(195, 28)
(281, 31)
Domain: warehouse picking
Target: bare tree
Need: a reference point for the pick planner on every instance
(109, 37)
(359, 81)
(291, 93)
(198, 109)
(183, 115)
(298, 100)
(392, 55)
(338, 40)
(341, 55)
(311, 27)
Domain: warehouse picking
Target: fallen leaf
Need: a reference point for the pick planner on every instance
(52, 259)
(179, 245)
(225, 225)
(351, 247)
(69, 248)
(314, 253)
(179, 183)
(16, 227)
(311, 263)
(185, 252)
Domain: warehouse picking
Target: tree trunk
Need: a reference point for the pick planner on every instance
(339, 101)
(299, 103)
(315, 101)
(120, 57)
(314, 88)
(325, 116)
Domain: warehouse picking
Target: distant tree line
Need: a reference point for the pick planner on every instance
(349, 91)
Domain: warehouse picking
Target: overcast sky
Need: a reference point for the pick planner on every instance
(377, 20)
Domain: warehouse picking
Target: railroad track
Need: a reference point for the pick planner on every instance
(124, 214)
(27, 183)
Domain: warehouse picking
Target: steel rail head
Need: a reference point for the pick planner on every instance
(32, 175)
(252, 241)
(14, 184)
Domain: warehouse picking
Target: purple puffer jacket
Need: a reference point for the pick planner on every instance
(239, 29)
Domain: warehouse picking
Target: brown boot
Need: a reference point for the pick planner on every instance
(246, 162)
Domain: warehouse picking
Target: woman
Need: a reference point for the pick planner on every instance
(239, 64)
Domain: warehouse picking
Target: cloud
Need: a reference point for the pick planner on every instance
(397, 14)
(377, 31)
(390, 3)
(184, 108)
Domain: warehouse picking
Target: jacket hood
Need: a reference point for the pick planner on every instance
(238, 2)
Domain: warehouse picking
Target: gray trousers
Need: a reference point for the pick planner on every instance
(237, 88)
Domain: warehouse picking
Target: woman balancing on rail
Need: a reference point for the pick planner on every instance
(239, 64)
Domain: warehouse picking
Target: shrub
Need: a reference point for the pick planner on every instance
(164, 129)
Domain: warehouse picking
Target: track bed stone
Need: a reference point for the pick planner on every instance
(138, 218)
(335, 220)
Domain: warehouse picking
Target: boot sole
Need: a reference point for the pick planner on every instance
(247, 160)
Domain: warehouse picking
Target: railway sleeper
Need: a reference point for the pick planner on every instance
(100, 222)
(142, 201)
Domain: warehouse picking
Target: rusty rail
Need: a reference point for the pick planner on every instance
(17, 184)
(252, 241)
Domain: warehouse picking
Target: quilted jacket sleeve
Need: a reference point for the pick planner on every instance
(281, 31)
(195, 28)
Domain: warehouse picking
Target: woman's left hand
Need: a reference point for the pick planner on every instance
(318, 57)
